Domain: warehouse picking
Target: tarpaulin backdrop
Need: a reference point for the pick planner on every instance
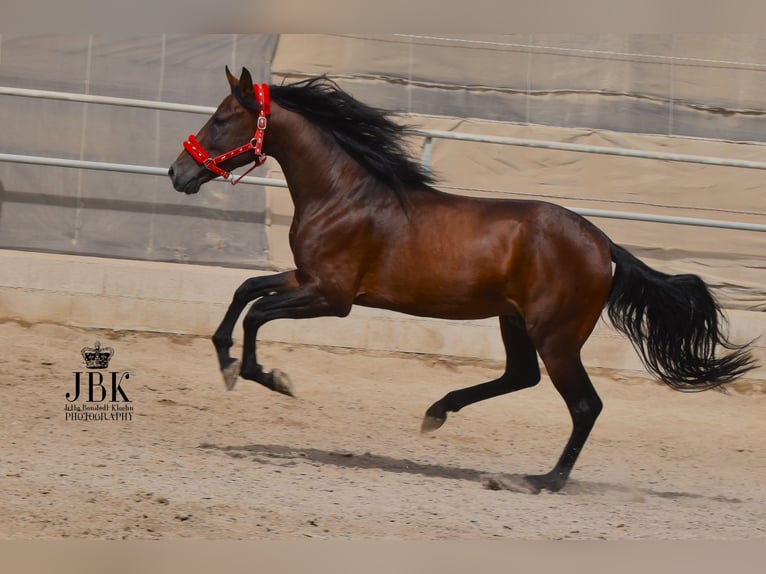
(685, 94)
(118, 214)
(698, 85)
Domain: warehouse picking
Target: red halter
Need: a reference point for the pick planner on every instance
(202, 157)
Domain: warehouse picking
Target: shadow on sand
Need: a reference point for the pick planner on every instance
(289, 456)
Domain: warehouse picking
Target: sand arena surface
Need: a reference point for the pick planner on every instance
(345, 459)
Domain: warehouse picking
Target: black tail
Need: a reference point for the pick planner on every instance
(673, 322)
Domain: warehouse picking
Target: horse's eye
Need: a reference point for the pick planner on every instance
(218, 120)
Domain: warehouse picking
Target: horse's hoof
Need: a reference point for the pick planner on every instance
(551, 482)
(511, 482)
(282, 383)
(230, 374)
(430, 424)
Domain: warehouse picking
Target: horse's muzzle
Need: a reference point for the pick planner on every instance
(185, 184)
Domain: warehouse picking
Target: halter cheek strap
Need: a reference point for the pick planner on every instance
(202, 157)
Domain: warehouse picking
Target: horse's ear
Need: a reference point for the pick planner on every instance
(246, 83)
(233, 80)
(242, 88)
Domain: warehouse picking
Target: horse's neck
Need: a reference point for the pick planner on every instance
(316, 170)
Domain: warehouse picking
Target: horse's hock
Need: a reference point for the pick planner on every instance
(190, 299)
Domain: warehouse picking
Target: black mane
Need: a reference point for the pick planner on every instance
(365, 133)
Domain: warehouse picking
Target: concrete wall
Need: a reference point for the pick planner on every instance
(191, 299)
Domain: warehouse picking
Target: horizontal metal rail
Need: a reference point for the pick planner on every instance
(624, 152)
(118, 167)
(149, 170)
(437, 134)
(106, 100)
(695, 221)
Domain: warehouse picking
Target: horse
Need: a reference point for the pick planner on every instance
(371, 229)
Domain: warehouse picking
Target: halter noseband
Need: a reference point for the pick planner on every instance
(202, 157)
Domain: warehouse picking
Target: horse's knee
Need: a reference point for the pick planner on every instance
(523, 378)
(532, 377)
(245, 292)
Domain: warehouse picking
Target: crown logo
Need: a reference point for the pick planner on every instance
(97, 357)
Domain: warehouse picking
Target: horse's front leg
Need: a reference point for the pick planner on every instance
(303, 302)
(250, 290)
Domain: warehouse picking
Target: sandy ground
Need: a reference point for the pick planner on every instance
(346, 460)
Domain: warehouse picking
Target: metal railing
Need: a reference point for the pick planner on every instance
(429, 135)
(562, 146)
(118, 167)
(105, 100)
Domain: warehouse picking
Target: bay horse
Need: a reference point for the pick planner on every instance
(370, 229)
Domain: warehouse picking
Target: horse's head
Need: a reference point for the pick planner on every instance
(226, 141)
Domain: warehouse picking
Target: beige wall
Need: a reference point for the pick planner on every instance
(191, 299)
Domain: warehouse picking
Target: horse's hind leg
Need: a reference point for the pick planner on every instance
(568, 375)
(521, 371)
(250, 290)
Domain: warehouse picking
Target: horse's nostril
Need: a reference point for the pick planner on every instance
(171, 172)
